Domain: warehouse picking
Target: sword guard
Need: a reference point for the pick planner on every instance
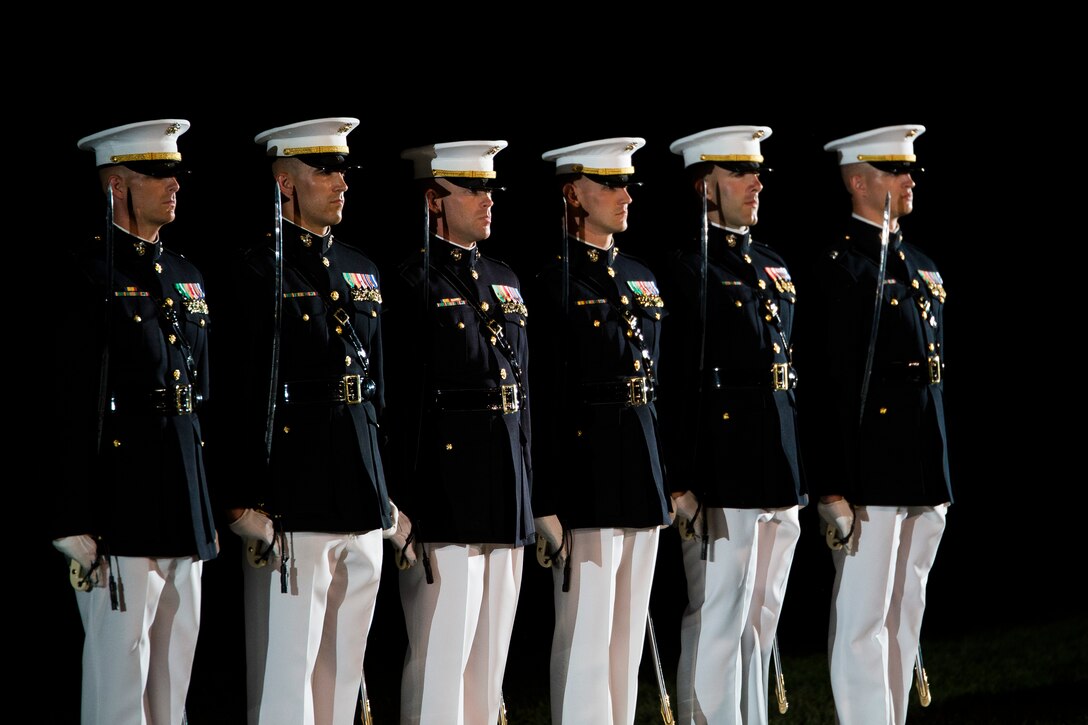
(685, 527)
(832, 536)
(81, 581)
(400, 555)
(542, 557)
(256, 555)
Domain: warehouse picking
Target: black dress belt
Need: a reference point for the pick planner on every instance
(915, 372)
(349, 389)
(176, 400)
(631, 391)
(502, 399)
(780, 376)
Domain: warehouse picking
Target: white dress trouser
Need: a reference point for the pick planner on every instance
(734, 603)
(305, 648)
(876, 610)
(459, 632)
(137, 660)
(600, 626)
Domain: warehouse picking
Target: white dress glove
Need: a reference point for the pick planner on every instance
(684, 508)
(840, 520)
(82, 554)
(399, 535)
(549, 539)
(253, 525)
(394, 513)
(258, 534)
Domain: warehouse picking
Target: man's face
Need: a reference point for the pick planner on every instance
(316, 194)
(877, 185)
(605, 207)
(154, 199)
(464, 214)
(733, 198)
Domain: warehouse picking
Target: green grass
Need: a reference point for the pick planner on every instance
(1029, 674)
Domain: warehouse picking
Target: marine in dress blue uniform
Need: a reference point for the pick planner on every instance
(600, 498)
(882, 471)
(312, 510)
(136, 521)
(739, 451)
(459, 370)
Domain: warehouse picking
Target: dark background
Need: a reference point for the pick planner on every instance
(1011, 541)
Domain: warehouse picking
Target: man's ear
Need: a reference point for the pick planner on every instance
(433, 205)
(117, 186)
(571, 195)
(286, 184)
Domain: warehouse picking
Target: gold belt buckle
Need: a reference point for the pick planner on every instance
(934, 369)
(637, 391)
(510, 402)
(352, 388)
(183, 399)
(780, 376)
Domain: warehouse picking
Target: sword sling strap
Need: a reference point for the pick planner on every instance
(340, 322)
(771, 308)
(491, 325)
(173, 326)
(629, 316)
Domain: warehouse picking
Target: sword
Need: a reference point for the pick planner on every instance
(921, 681)
(779, 678)
(885, 227)
(687, 528)
(666, 708)
(277, 316)
(104, 364)
(427, 570)
(257, 556)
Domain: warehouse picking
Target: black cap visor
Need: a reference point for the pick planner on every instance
(743, 167)
(474, 183)
(159, 169)
(327, 162)
(898, 167)
(615, 181)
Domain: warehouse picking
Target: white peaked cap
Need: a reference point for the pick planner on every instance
(143, 141)
(319, 136)
(725, 144)
(607, 157)
(890, 143)
(455, 160)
